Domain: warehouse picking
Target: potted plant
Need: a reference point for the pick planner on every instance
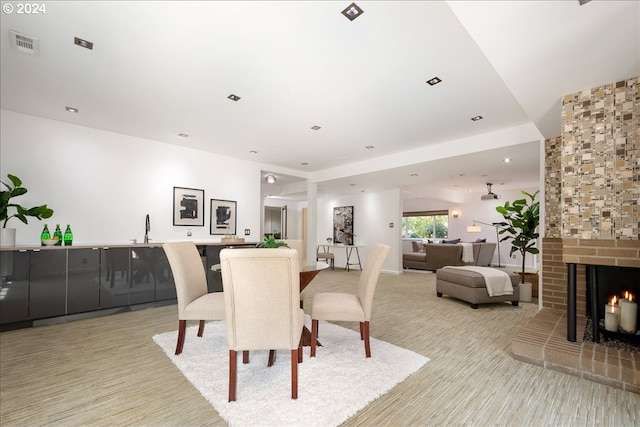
(14, 188)
(522, 218)
(271, 242)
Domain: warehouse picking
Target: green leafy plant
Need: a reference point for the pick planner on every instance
(271, 242)
(521, 222)
(15, 189)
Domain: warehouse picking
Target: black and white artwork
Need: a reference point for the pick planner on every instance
(188, 206)
(223, 217)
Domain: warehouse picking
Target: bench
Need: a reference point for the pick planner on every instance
(469, 286)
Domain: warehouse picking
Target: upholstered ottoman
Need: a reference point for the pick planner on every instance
(470, 286)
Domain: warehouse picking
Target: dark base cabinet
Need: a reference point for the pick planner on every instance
(83, 280)
(14, 286)
(41, 284)
(142, 287)
(114, 277)
(47, 283)
(165, 285)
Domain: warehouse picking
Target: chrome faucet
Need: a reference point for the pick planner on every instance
(147, 229)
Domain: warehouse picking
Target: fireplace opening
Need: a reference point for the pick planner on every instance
(614, 290)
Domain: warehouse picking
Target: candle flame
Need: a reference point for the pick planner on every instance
(613, 300)
(630, 298)
(626, 295)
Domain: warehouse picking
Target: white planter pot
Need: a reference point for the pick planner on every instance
(525, 292)
(7, 237)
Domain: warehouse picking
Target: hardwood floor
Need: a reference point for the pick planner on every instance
(107, 371)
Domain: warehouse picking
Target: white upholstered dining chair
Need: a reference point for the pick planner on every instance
(262, 297)
(351, 307)
(194, 300)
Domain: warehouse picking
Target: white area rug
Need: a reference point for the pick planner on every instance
(332, 387)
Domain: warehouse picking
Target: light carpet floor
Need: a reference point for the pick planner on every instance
(331, 387)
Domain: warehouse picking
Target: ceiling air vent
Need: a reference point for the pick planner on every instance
(23, 43)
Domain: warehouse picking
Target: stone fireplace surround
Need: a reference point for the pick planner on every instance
(543, 341)
(591, 217)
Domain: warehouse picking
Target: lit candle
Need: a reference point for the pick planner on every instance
(628, 313)
(611, 315)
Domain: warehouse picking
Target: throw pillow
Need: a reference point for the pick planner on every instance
(452, 241)
(417, 247)
(478, 240)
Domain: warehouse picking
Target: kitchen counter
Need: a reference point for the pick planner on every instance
(116, 245)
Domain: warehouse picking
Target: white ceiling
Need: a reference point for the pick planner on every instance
(163, 68)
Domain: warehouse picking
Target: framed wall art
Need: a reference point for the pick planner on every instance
(223, 217)
(343, 225)
(188, 207)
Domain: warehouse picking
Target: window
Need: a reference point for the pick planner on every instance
(426, 225)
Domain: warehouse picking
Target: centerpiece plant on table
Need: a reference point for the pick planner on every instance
(271, 242)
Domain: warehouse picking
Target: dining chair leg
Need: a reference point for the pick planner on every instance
(367, 346)
(245, 356)
(272, 358)
(361, 330)
(294, 374)
(232, 375)
(314, 336)
(300, 350)
(201, 328)
(182, 326)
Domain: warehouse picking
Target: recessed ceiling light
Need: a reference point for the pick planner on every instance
(304, 164)
(476, 118)
(253, 152)
(83, 43)
(71, 109)
(369, 147)
(234, 97)
(352, 11)
(507, 160)
(414, 174)
(434, 81)
(183, 135)
(316, 127)
(271, 179)
(353, 185)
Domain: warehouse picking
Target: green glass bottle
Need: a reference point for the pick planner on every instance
(58, 235)
(45, 234)
(68, 236)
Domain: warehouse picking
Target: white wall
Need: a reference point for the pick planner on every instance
(103, 183)
(373, 212)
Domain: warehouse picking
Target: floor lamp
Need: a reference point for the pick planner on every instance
(476, 229)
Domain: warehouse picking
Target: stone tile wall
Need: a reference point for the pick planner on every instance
(592, 188)
(600, 163)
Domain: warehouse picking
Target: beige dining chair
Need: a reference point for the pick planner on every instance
(194, 300)
(298, 245)
(340, 306)
(262, 297)
(327, 256)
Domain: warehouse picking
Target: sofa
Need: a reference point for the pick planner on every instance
(432, 256)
